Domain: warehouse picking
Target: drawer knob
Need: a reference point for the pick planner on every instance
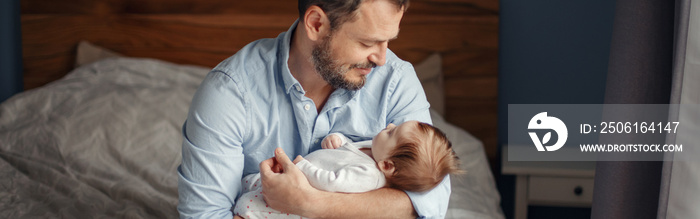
(578, 190)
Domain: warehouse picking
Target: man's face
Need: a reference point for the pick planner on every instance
(345, 57)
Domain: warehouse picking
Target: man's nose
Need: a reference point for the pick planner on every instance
(379, 56)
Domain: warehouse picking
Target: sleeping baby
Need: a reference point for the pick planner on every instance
(413, 156)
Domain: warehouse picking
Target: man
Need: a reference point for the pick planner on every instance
(331, 72)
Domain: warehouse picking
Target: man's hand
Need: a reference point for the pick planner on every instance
(331, 142)
(285, 188)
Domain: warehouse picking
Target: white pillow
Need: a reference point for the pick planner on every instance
(430, 75)
(88, 53)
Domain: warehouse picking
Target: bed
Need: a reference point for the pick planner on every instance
(96, 133)
(104, 141)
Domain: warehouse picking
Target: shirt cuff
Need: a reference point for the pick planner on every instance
(433, 203)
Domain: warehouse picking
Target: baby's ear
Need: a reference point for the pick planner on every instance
(387, 167)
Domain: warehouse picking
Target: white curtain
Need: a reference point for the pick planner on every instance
(680, 184)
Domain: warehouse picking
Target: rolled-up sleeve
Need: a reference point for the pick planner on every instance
(212, 156)
(407, 99)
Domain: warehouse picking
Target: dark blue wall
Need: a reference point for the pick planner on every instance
(10, 49)
(550, 52)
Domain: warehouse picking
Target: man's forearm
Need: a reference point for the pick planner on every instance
(380, 203)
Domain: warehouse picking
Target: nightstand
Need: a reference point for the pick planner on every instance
(550, 183)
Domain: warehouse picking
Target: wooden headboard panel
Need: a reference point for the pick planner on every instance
(204, 32)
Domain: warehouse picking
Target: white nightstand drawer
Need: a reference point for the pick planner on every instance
(560, 191)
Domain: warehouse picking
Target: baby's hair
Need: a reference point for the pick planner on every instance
(422, 160)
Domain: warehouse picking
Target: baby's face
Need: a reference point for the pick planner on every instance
(385, 142)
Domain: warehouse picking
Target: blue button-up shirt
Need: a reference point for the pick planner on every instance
(251, 104)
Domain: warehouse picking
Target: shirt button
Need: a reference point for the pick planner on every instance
(298, 88)
(307, 107)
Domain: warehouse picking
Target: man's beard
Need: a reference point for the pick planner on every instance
(332, 71)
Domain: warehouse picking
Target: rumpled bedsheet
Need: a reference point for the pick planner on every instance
(103, 142)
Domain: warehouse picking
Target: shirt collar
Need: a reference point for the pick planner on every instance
(289, 81)
(286, 38)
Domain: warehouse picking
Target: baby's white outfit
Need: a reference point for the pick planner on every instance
(345, 169)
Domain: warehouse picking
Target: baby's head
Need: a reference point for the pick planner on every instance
(414, 156)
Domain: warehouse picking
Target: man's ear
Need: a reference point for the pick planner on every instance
(387, 167)
(316, 23)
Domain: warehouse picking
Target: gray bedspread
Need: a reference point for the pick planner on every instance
(104, 142)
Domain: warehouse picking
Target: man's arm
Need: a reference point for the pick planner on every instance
(286, 189)
(394, 204)
(212, 158)
(408, 102)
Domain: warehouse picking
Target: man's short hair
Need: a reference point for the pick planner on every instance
(422, 160)
(340, 11)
